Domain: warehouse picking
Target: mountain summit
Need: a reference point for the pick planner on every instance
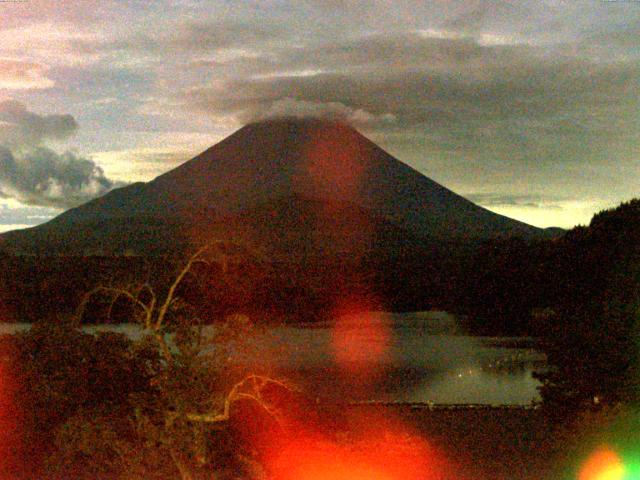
(291, 186)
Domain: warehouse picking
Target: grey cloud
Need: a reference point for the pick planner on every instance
(20, 127)
(529, 21)
(399, 50)
(207, 35)
(288, 107)
(464, 112)
(530, 89)
(42, 177)
(609, 44)
(377, 54)
(184, 39)
(36, 175)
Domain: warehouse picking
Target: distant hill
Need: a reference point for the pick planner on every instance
(289, 187)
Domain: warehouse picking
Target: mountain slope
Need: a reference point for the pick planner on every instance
(337, 188)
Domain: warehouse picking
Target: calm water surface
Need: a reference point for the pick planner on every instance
(417, 366)
(419, 358)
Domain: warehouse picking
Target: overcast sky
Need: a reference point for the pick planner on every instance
(530, 108)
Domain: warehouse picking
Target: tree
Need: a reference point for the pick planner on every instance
(592, 341)
(194, 389)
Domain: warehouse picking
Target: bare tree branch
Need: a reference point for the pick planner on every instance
(257, 383)
(172, 290)
(164, 418)
(115, 294)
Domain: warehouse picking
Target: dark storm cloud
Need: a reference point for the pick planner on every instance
(36, 175)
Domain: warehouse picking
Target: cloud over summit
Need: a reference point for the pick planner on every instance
(289, 107)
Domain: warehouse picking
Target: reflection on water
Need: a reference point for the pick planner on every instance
(419, 367)
(426, 360)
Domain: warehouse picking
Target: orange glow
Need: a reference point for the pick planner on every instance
(388, 457)
(8, 422)
(360, 341)
(377, 444)
(604, 464)
(334, 167)
(324, 462)
(21, 75)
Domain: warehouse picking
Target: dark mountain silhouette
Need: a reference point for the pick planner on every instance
(294, 188)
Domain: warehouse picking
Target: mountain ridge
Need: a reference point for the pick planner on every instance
(322, 161)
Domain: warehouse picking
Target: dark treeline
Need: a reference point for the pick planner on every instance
(506, 286)
(579, 293)
(591, 335)
(34, 288)
(516, 287)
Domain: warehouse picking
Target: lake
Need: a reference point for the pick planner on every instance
(424, 359)
(418, 357)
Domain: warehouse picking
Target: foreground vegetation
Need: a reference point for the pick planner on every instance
(106, 406)
(75, 405)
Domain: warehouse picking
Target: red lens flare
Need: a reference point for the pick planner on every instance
(9, 441)
(360, 342)
(333, 167)
(323, 460)
(387, 457)
(378, 446)
(604, 464)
